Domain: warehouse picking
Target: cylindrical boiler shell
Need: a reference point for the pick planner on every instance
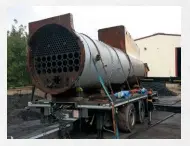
(116, 66)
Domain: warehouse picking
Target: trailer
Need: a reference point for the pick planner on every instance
(94, 111)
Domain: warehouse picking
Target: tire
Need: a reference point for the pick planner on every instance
(127, 118)
(141, 112)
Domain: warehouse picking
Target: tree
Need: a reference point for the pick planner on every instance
(17, 74)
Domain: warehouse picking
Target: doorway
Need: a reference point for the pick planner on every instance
(178, 61)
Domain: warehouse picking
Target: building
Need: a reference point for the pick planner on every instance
(162, 53)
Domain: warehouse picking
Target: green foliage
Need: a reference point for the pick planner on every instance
(17, 74)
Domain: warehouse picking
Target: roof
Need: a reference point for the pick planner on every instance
(157, 34)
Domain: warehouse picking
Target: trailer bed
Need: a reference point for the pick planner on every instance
(105, 104)
(97, 102)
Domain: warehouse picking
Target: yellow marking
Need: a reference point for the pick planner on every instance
(177, 80)
(149, 79)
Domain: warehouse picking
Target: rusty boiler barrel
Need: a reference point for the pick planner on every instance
(60, 59)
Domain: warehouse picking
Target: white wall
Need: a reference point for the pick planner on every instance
(160, 54)
(131, 46)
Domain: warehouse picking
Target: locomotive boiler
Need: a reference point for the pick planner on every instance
(60, 59)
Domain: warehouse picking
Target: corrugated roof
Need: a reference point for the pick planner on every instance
(157, 34)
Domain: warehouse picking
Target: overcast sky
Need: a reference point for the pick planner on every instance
(138, 20)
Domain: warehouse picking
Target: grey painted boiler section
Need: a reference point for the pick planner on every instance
(89, 77)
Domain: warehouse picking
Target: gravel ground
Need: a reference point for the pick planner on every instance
(16, 112)
(162, 88)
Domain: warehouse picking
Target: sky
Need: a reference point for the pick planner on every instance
(139, 21)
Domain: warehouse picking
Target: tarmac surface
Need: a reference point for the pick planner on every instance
(169, 129)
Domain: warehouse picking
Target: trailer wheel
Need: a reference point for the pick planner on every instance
(141, 112)
(127, 118)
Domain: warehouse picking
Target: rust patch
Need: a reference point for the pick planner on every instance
(65, 20)
(113, 36)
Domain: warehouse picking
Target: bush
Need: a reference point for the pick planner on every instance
(17, 74)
